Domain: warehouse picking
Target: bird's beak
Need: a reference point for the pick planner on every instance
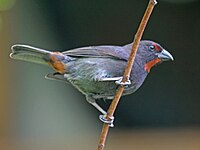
(165, 55)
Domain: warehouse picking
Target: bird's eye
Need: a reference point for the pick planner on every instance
(152, 47)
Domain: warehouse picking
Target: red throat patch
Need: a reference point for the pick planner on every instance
(151, 63)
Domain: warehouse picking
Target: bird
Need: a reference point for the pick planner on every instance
(97, 71)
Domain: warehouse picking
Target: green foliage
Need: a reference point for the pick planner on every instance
(6, 4)
(1, 23)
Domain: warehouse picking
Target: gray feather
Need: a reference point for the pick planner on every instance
(114, 52)
(29, 53)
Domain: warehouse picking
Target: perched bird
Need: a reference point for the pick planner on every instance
(96, 71)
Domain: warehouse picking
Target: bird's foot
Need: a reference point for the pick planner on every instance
(109, 121)
(126, 84)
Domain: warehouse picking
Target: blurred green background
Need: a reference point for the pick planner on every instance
(41, 114)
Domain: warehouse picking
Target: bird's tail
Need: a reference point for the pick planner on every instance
(56, 60)
(30, 54)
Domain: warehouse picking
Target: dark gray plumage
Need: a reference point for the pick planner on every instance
(95, 70)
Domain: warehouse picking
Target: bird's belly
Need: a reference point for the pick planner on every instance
(97, 89)
(86, 75)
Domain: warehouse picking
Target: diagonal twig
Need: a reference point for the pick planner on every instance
(138, 36)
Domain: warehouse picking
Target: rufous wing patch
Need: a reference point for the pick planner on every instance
(58, 65)
(151, 63)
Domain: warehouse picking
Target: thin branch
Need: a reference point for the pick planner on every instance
(127, 72)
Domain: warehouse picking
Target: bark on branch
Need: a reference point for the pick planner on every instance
(138, 36)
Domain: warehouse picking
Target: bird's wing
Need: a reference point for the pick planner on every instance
(114, 52)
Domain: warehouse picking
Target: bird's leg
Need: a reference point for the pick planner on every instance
(102, 117)
(98, 108)
(127, 83)
(110, 79)
(109, 121)
(118, 81)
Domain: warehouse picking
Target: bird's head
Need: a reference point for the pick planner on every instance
(152, 53)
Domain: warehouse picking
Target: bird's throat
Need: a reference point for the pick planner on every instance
(151, 63)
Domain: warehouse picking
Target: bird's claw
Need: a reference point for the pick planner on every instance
(109, 121)
(126, 84)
